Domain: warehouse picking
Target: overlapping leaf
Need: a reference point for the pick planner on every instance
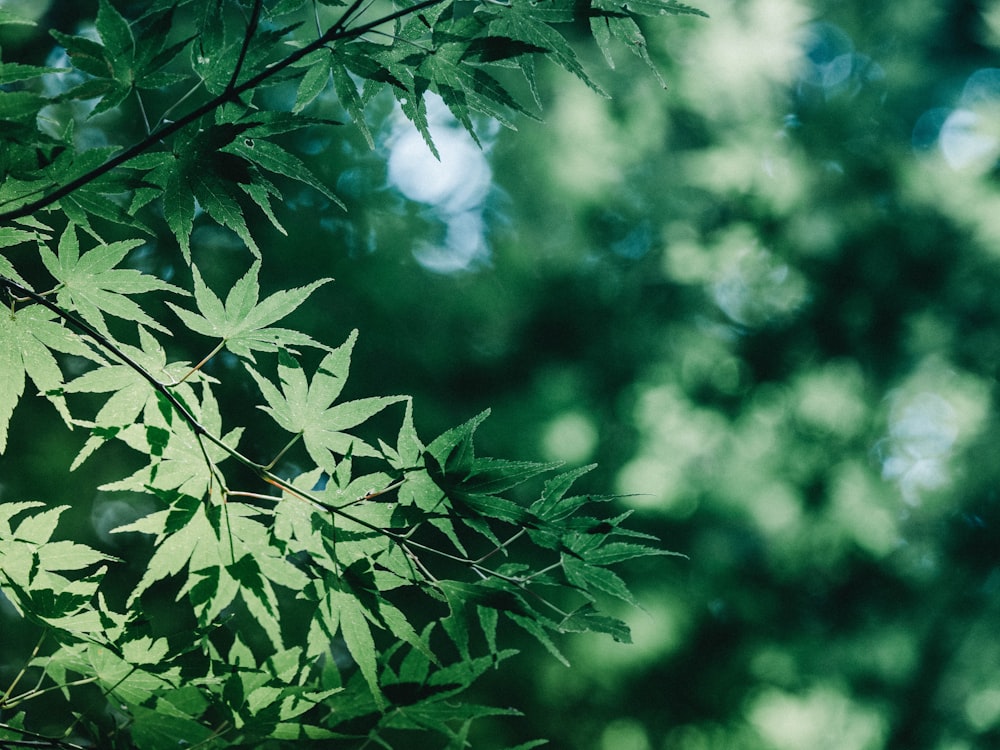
(131, 395)
(179, 457)
(348, 548)
(28, 338)
(226, 553)
(33, 568)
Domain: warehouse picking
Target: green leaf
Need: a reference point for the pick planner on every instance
(10, 18)
(453, 450)
(520, 21)
(145, 650)
(316, 79)
(93, 287)
(153, 729)
(178, 210)
(347, 93)
(131, 395)
(243, 323)
(612, 19)
(179, 458)
(616, 552)
(20, 106)
(308, 408)
(11, 72)
(553, 505)
(8, 510)
(409, 449)
(86, 54)
(591, 577)
(274, 158)
(28, 338)
(588, 620)
(38, 529)
(464, 87)
(357, 635)
(115, 32)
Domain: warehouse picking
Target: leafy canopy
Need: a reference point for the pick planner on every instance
(355, 592)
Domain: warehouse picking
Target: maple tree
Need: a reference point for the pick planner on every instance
(356, 593)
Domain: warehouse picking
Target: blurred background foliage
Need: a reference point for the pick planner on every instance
(763, 300)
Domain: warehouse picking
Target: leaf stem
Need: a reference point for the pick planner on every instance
(204, 361)
(283, 451)
(17, 678)
(502, 546)
(36, 691)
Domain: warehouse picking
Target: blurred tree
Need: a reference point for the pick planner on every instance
(764, 303)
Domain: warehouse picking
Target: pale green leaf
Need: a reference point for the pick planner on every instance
(307, 408)
(38, 528)
(68, 555)
(28, 338)
(243, 323)
(354, 627)
(92, 286)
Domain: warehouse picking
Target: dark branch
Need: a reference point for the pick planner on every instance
(335, 33)
(247, 38)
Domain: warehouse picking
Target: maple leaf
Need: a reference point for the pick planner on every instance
(243, 324)
(180, 459)
(307, 408)
(28, 338)
(227, 553)
(131, 394)
(92, 286)
(521, 21)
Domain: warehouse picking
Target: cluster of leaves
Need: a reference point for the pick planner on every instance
(345, 600)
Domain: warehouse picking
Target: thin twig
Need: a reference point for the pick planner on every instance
(35, 739)
(37, 691)
(502, 546)
(17, 678)
(218, 348)
(247, 38)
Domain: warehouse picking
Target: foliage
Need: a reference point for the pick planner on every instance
(347, 595)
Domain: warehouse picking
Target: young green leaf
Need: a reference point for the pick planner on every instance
(244, 324)
(307, 408)
(131, 395)
(91, 285)
(180, 459)
(354, 627)
(28, 338)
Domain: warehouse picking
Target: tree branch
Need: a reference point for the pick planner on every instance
(335, 33)
(247, 38)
